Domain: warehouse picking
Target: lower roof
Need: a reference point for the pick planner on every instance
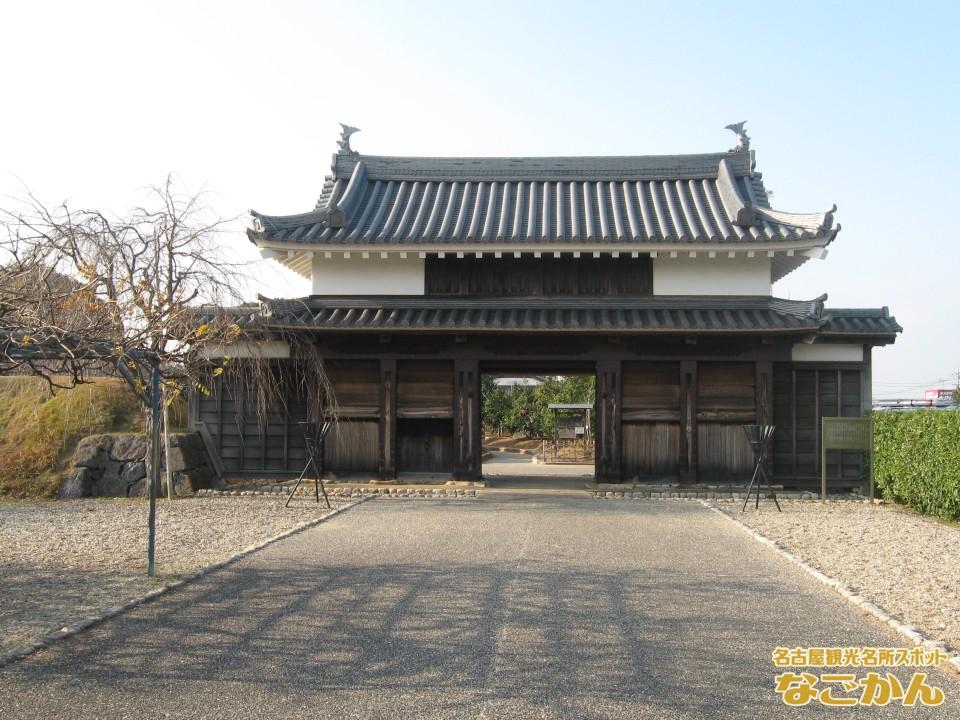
(647, 315)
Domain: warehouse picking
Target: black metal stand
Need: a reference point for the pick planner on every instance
(759, 437)
(314, 435)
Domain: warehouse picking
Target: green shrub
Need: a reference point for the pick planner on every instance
(525, 409)
(917, 456)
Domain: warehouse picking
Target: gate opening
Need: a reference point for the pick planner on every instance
(538, 430)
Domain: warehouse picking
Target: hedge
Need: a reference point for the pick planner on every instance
(917, 456)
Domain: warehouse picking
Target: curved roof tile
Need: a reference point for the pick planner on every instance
(576, 201)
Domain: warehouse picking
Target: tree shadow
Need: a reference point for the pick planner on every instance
(574, 639)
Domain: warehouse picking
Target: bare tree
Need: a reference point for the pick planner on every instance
(82, 289)
(147, 295)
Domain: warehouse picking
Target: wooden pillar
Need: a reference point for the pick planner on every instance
(689, 460)
(764, 395)
(608, 437)
(793, 421)
(467, 439)
(866, 382)
(387, 445)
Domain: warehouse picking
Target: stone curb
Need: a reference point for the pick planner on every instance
(114, 610)
(713, 495)
(908, 631)
(339, 492)
(414, 493)
(493, 451)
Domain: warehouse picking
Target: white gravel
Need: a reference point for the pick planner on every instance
(67, 560)
(905, 563)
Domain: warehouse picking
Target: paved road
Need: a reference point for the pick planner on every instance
(509, 606)
(516, 471)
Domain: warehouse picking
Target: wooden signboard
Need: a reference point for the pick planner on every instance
(845, 433)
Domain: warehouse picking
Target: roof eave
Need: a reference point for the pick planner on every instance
(487, 248)
(563, 331)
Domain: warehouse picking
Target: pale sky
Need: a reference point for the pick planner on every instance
(852, 103)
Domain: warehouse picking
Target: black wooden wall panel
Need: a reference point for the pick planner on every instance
(425, 388)
(650, 420)
(803, 396)
(726, 401)
(651, 451)
(543, 276)
(651, 391)
(351, 446)
(356, 386)
(253, 441)
(425, 445)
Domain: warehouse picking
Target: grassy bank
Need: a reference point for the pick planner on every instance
(39, 429)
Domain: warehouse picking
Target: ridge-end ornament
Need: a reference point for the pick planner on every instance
(743, 140)
(343, 144)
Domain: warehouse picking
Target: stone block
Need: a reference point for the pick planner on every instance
(76, 484)
(134, 472)
(129, 447)
(93, 451)
(140, 489)
(111, 482)
(183, 485)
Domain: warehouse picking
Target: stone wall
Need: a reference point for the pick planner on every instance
(118, 466)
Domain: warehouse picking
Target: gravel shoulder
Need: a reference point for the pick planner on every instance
(905, 563)
(67, 560)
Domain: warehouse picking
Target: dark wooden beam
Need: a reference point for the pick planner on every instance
(764, 393)
(219, 395)
(689, 459)
(793, 410)
(286, 436)
(387, 445)
(816, 414)
(765, 404)
(467, 434)
(609, 412)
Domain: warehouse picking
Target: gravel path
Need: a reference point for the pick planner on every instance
(905, 563)
(548, 606)
(64, 561)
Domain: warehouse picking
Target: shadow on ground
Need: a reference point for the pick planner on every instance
(526, 606)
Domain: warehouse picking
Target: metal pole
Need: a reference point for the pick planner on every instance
(154, 467)
(166, 443)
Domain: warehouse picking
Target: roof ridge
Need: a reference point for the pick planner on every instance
(549, 167)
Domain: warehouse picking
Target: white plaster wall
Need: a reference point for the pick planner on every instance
(371, 276)
(265, 349)
(703, 275)
(827, 352)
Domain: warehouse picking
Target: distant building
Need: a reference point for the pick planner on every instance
(932, 399)
(518, 381)
(940, 396)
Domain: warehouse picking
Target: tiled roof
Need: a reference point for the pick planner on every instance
(574, 201)
(648, 315)
(652, 314)
(859, 321)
